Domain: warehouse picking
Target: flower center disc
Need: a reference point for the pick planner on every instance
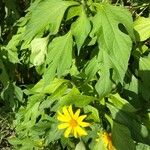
(73, 123)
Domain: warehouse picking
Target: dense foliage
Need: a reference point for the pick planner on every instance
(81, 59)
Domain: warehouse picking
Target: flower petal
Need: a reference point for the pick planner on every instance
(66, 113)
(76, 115)
(62, 117)
(70, 111)
(75, 133)
(81, 118)
(84, 124)
(63, 125)
(80, 131)
(67, 132)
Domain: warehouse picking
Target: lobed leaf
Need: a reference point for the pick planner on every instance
(46, 13)
(113, 27)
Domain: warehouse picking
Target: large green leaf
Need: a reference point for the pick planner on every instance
(118, 132)
(59, 57)
(142, 27)
(138, 131)
(113, 28)
(81, 28)
(47, 13)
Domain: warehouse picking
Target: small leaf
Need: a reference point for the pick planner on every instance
(38, 51)
(54, 133)
(80, 146)
(142, 27)
(93, 113)
(142, 146)
(11, 47)
(73, 12)
(100, 146)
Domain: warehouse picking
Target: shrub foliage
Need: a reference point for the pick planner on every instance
(92, 55)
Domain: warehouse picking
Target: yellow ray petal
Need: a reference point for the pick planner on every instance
(75, 133)
(80, 131)
(81, 118)
(70, 111)
(76, 115)
(84, 124)
(66, 113)
(63, 125)
(62, 117)
(67, 132)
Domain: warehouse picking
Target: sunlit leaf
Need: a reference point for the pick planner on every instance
(38, 51)
(114, 44)
(80, 146)
(142, 27)
(81, 28)
(47, 13)
(59, 57)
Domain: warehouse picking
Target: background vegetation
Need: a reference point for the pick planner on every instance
(91, 54)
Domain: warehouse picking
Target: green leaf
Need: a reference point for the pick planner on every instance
(81, 28)
(118, 132)
(49, 89)
(144, 73)
(54, 133)
(73, 12)
(94, 115)
(72, 97)
(111, 25)
(38, 51)
(121, 103)
(99, 145)
(142, 146)
(4, 77)
(11, 47)
(59, 57)
(47, 13)
(92, 68)
(22, 144)
(104, 84)
(138, 131)
(142, 27)
(80, 146)
(29, 114)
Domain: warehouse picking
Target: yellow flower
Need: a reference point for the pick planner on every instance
(107, 140)
(72, 121)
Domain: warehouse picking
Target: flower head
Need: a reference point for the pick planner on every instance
(72, 121)
(107, 140)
